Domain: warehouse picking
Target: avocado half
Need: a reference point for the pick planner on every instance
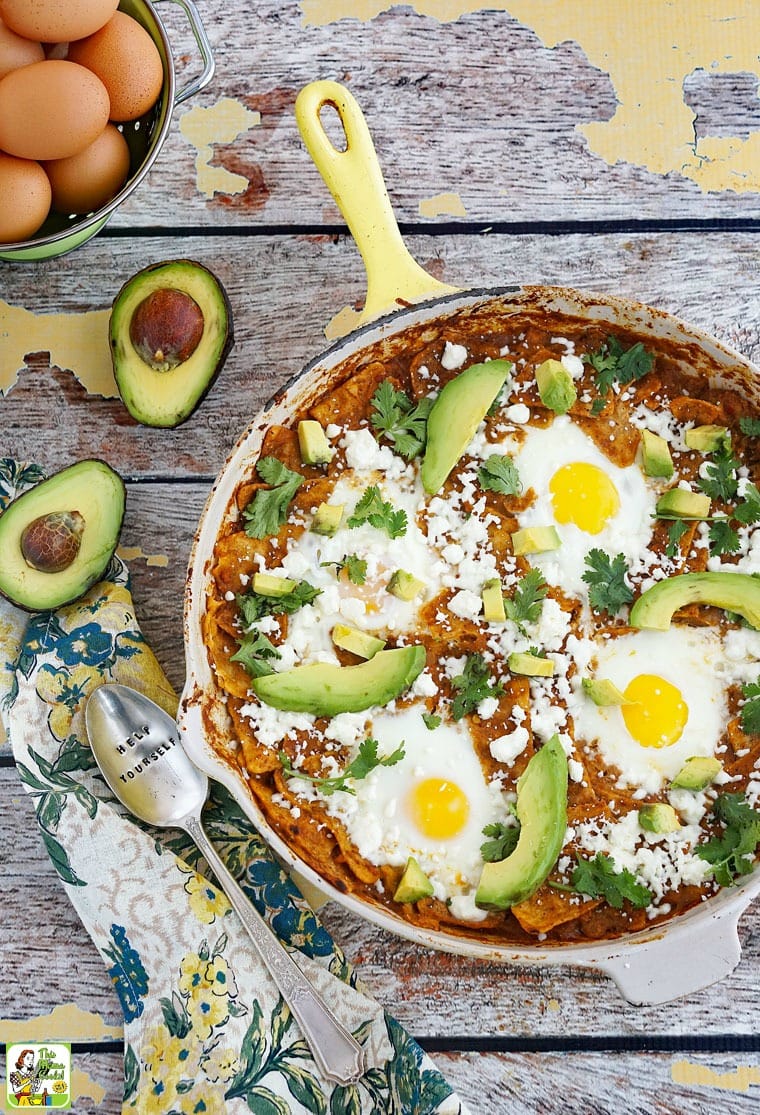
(170, 333)
(735, 592)
(57, 539)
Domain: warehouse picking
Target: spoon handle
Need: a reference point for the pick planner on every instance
(337, 1054)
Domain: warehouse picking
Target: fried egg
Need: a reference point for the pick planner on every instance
(676, 703)
(592, 502)
(432, 805)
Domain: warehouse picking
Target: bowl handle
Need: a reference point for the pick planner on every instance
(678, 962)
(356, 182)
(204, 46)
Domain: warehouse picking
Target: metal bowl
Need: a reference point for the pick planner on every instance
(61, 233)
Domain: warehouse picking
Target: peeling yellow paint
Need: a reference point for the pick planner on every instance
(686, 1072)
(442, 204)
(83, 1085)
(77, 342)
(66, 1022)
(131, 553)
(670, 39)
(204, 127)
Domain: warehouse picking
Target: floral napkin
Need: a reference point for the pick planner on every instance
(205, 1029)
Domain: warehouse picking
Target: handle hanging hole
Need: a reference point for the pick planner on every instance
(332, 125)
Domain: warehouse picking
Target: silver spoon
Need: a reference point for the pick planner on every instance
(137, 747)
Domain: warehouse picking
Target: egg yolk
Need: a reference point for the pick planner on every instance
(583, 494)
(657, 715)
(438, 808)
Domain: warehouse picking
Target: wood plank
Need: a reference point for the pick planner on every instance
(429, 992)
(284, 291)
(477, 106)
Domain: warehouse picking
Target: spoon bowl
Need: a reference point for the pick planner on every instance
(139, 750)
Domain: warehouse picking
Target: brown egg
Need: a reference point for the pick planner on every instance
(16, 51)
(24, 198)
(85, 182)
(51, 110)
(56, 21)
(127, 61)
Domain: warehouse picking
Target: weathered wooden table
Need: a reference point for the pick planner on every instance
(605, 146)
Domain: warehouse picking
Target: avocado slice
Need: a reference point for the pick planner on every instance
(267, 584)
(327, 518)
(170, 333)
(58, 537)
(542, 813)
(736, 592)
(530, 665)
(535, 540)
(603, 692)
(413, 884)
(327, 690)
(313, 444)
(678, 503)
(706, 439)
(457, 412)
(405, 586)
(493, 602)
(555, 386)
(659, 817)
(360, 643)
(655, 455)
(697, 773)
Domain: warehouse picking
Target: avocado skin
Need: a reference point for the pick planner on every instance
(542, 813)
(455, 416)
(736, 592)
(34, 591)
(327, 690)
(130, 369)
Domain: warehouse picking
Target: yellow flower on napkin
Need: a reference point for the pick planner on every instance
(206, 903)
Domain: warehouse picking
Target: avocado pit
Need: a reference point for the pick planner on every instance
(50, 543)
(166, 328)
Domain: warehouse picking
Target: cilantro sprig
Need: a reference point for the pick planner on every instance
(527, 600)
(605, 576)
(501, 843)
(732, 852)
(398, 419)
(676, 531)
(431, 721)
(600, 878)
(253, 605)
(720, 480)
(614, 364)
(750, 710)
(498, 473)
(268, 509)
(254, 653)
(750, 426)
(366, 760)
(373, 509)
(723, 535)
(355, 567)
(473, 685)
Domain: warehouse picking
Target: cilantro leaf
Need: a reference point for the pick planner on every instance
(676, 531)
(750, 426)
(750, 710)
(253, 605)
(527, 599)
(360, 766)
(723, 537)
(748, 512)
(499, 474)
(502, 843)
(600, 878)
(355, 567)
(430, 721)
(268, 509)
(732, 852)
(253, 653)
(398, 419)
(598, 406)
(614, 364)
(720, 481)
(373, 509)
(608, 590)
(473, 685)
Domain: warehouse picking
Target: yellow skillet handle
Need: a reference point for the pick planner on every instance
(356, 182)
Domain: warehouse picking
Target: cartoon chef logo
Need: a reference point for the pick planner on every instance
(38, 1075)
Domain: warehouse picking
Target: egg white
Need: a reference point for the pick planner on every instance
(542, 453)
(685, 657)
